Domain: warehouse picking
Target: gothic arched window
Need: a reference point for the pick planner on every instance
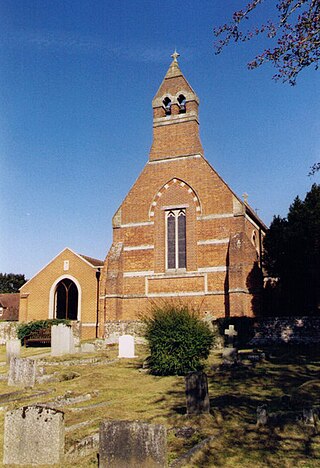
(66, 300)
(176, 239)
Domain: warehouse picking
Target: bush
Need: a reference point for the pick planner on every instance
(25, 329)
(178, 340)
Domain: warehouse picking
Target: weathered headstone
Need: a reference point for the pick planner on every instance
(132, 444)
(13, 348)
(126, 346)
(87, 348)
(230, 356)
(197, 393)
(22, 372)
(33, 435)
(231, 333)
(262, 415)
(62, 341)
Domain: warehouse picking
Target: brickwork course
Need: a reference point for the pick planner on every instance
(223, 235)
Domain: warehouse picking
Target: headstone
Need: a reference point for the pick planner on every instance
(197, 393)
(33, 435)
(22, 372)
(13, 348)
(230, 356)
(132, 444)
(262, 415)
(88, 348)
(126, 346)
(308, 416)
(231, 333)
(62, 341)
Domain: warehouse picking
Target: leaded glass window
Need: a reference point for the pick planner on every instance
(176, 239)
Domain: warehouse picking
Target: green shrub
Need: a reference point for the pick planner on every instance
(25, 329)
(178, 340)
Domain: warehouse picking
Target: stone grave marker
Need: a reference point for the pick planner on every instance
(197, 394)
(87, 348)
(126, 346)
(262, 415)
(231, 333)
(22, 372)
(62, 340)
(13, 348)
(132, 444)
(33, 435)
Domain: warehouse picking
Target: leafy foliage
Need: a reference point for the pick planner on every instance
(25, 329)
(295, 35)
(292, 254)
(178, 340)
(11, 283)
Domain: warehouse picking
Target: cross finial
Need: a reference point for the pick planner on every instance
(175, 55)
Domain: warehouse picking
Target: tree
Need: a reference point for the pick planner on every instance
(295, 36)
(292, 255)
(11, 283)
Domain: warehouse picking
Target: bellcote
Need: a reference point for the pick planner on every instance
(175, 117)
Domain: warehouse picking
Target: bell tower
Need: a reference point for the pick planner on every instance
(175, 117)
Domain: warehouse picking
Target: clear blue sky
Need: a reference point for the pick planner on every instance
(76, 83)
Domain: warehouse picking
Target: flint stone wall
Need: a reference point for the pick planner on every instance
(8, 331)
(34, 435)
(125, 327)
(286, 330)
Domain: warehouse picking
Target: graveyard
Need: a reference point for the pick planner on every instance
(255, 412)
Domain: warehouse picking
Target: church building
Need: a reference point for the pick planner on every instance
(181, 234)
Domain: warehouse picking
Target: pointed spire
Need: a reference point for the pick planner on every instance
(174, 69)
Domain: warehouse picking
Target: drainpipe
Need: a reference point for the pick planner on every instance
(98, 273)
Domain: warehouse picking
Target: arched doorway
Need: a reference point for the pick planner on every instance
(66, 300)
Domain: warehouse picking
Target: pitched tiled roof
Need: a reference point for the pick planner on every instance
(10, 306)
(94, 261)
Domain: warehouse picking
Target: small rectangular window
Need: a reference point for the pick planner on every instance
(176, 239)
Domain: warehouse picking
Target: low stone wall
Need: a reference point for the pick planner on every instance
(8, 331)
(286, 330)
(125, 327)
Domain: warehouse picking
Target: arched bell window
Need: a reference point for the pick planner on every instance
(167, 105)
(182, 104)
(66, 300)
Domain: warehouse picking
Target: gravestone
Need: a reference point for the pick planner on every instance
(132, 444)
(87, 348)
(33, 435)
(262, 415)
(230, 356)
(22, 372)
(231, 333)
(13, 348)
(197, 393)
(126, 346)
(62, 341)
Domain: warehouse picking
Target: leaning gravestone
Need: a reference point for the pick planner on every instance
(13, 348)
(132, 444)
(197, 393)
(22, 372)
(33, 435)
(126, 346)
(62, 340)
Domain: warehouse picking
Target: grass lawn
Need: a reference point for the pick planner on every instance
(127, 393)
